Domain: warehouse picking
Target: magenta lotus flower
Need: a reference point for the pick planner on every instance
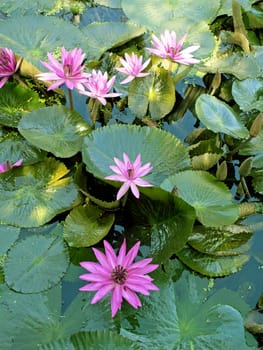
(169, 47)
(133, 67)
(4, 167)
(8, 65)
(69, 72)
(98, 86)
(118, 275)
(130, 174)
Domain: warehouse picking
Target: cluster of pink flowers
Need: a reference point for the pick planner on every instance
(118, 274)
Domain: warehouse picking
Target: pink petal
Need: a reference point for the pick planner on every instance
(124, 188)
(122, 254)
(131, 255)
(135, 190)
(116, 299)
(110, 254)
(142, 183)
(131, 298)
(101, 293)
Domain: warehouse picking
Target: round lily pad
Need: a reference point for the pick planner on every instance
(36, 263)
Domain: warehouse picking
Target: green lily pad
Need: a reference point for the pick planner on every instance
(219, 117)
(187, 318)
(43, 260)
(86, 226)
(14, 147)
(248, 94)
(211, 265)
(105, 340)
(15, 100)
(28, 7)
(211, 198)
(239, 64)
(155, 13)
(154, 93)
(55, 129)
(254, 147)
(32, 195)
(164, 223)
(221, 241)
(16, 34)
(164, 151)
(107, 35)
(8, 235)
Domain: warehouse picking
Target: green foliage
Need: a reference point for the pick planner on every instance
(154, 93)
(219, 117)
(14, 101)
(104, 36)
(33, 195)
(211, 199)
(102, 145)
(43, 260)
(87, 225)
(55, 129)
(186, 318)
(248, 94)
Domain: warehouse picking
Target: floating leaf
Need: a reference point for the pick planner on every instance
(221, 241)
(104, 36)
(16, 34)
(219, 117)
(14, 147)
(105, 340)
(154, 92)
(248, 94)
(43, 260)
(15, 100)
(187, 318)
(8, 235)
(86, 226)
(205, 161)
(27, 7)
(211, 198)
(155, 13)
(239, 64)
(165, 222)
(254, 147)
(211, 265)
(102, 145)
(55, 129)
(33, 195)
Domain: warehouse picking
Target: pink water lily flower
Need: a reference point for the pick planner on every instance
(8, 65)
(133, 67)
(98, 86)
(168, 47)
(69, 72)
(4, 167)
(130, 174)
(118, 275)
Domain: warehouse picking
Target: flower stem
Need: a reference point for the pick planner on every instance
(70, 99)
(94, 110)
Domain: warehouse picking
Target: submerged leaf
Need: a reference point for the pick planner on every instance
(221, 241)
(211, 265)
